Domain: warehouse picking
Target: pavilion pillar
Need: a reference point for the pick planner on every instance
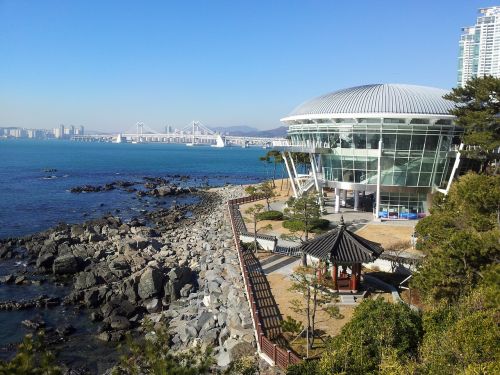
(354, 282)
(356, 200)
(335, 276)
(337, 201)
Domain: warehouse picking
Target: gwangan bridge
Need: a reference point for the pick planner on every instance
(193, 134)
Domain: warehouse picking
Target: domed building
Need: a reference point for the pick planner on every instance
(397, 142)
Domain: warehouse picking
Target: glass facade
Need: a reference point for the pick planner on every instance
(415, 154)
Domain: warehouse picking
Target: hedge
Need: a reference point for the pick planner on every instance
(270, 215)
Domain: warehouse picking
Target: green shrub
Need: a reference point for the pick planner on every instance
(291, 325)
(320, 225)
(317, 225)
(270, 215)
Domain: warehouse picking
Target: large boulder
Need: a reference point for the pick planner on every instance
(85, 280)
(45, 261)
(178, 278)
(67, 264)
(150, 283)
(119, 267)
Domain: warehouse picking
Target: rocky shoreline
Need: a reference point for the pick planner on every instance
(180, 270)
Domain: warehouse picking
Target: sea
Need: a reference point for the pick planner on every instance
(35, 181)
(35, 177)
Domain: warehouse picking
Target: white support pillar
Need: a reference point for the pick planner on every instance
(313, 167)
(454, 169)
(344, 197)
(356, 199)
(293, 165)
(337, 201)
(319, 190)
(377, 201)
(292, 182)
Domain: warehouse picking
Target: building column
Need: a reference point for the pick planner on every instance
(292, 181)
(379, 172)
(337, 201)
(335, 276)
(344, 197)
(356, 200)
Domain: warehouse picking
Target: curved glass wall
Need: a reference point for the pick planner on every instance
(415, 155)
(414, 151)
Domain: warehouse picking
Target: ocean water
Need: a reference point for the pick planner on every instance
(32, 199)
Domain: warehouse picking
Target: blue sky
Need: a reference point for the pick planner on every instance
(107, 64)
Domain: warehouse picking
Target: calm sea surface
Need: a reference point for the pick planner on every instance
(33, 199)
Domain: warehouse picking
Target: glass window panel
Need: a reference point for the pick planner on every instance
(372, 164)
(412, 179)
(445, 143)
(425, 179)
(337, 174)
(358, 176)
(427, 165)
(347, 162)
(394, 120)
(419, 121)
(359, 140)
(437, 179)
(372, 141)
(399, 177)
(360, 163)
(389, 141)
(431, 142)
(369, 178)
(417, 142)
(348, 175)
(403, 142)
(386, 177)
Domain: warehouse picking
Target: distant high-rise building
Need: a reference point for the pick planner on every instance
(480, 47)
(59, 132)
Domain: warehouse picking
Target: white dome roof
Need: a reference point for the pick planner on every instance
(377, 99)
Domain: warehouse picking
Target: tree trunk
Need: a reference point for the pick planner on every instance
(304, 259)
(274, 173)
(308, 316)
(313, 316)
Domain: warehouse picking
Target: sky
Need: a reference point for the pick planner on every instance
(107, 64)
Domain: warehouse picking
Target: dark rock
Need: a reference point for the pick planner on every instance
(95, 316)
(34, 324)
(20, 280)
(119, 322)
(85, 280)
(119, 267)
(150, 283)
(7, 279)
(65, 330)
(153, 305)
(66, 264)
(104, 336)
(45, 261)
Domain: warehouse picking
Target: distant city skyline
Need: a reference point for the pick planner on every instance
(107, 65)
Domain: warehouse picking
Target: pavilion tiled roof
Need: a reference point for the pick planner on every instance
(342, 246)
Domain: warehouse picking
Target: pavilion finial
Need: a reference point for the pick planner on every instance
(342, 224)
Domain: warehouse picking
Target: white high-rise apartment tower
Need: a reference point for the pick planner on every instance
(480, 47)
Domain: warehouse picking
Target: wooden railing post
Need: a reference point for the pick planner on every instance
(275, 353)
